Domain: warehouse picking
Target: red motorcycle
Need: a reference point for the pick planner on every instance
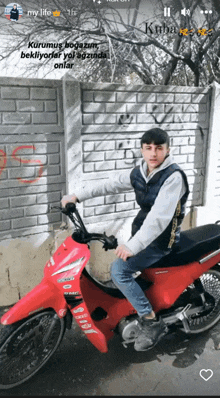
(183, 288)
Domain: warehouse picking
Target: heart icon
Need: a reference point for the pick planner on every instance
(206, 374)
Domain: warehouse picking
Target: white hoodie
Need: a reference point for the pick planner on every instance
(161, 212)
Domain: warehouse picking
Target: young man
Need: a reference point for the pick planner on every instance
(161, 190)
(14, 14)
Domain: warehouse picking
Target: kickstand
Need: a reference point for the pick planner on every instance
(182, 316)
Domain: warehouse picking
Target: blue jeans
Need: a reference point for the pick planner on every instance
(121, 273)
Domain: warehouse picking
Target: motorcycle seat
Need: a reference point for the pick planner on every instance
(194, 243)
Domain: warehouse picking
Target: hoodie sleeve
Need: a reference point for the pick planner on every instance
(117, 184)
(160, 214)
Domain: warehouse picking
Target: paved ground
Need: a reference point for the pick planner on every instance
(171, 368)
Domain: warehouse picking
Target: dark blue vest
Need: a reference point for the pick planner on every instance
(146, 194)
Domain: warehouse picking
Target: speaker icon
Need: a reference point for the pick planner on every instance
(185, 11)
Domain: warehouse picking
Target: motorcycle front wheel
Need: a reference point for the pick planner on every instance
(27, 345)
(203, 321)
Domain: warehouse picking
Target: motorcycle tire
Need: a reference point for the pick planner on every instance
(203, 321)
(27, 345)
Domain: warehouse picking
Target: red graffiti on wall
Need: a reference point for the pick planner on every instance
(3, 161)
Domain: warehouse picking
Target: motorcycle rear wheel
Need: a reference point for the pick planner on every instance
(27, 345)
(201, 322)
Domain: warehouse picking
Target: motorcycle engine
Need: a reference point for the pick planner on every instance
(129, 328)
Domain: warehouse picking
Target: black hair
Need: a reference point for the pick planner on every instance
(155, 136)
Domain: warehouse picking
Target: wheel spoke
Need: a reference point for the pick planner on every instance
(28, 347)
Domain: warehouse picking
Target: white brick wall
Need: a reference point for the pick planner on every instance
(32, 155)
(109, 147)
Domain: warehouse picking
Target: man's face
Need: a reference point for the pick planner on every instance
(14, 7)
(154, 155)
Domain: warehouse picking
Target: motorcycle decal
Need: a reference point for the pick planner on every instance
(70, 266)
(52, 261)
(90, 331)
(86, 326)
(80, 309)
(70, 278)
(81, 316)
(62, 312)
(38, 309)
(67, 286)
(84, 321)
(73, 293)
(161, 272)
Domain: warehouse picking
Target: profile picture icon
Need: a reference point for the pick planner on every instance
(13, 12)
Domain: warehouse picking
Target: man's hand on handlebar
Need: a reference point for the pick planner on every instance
(68, 199)
(123, 252)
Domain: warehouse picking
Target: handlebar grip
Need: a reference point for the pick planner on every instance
(70, 207)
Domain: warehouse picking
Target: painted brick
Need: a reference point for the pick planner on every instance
(105, 119)
(24, 222)
(100, 96)
(4, 203)
(49, 218)
(54, 158)
(88, 212)
(5, 225)
(88, 146)
(88, 167)
(187, 149)
(130, 196)
(199, 98)
(23, 201)
(11, 213)
(165, 98)
(93, 107)
(179, 141)
(51, 170)
(107, 165)
(200, 117)
(16, 118)
(30, 106)
(105, 209)
(173, 108)
(124, 206)
(7, 105)
(146, 97)
(114, 155)
(184, 118)
(114, 198)
(22, 172)
(155, 108)
(116, 108)
(36, 209)
(49, 197)
(145, 118)
(44, 118)
(93, 156)
(43, 93)
(136, 108)
(126, 97)
(124, 164)
(182, 98)
(50, 147)
(94, 202)
(181, 158)
(15, 92)
(50, 106)
(88, 96)
(104, 145)
(125, 144)
(88, 118)
(191, 108)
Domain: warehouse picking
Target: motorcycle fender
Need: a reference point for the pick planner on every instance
(41, 297)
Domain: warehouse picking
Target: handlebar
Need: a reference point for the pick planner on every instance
(81, 235)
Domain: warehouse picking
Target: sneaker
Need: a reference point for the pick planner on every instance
(152, 330)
